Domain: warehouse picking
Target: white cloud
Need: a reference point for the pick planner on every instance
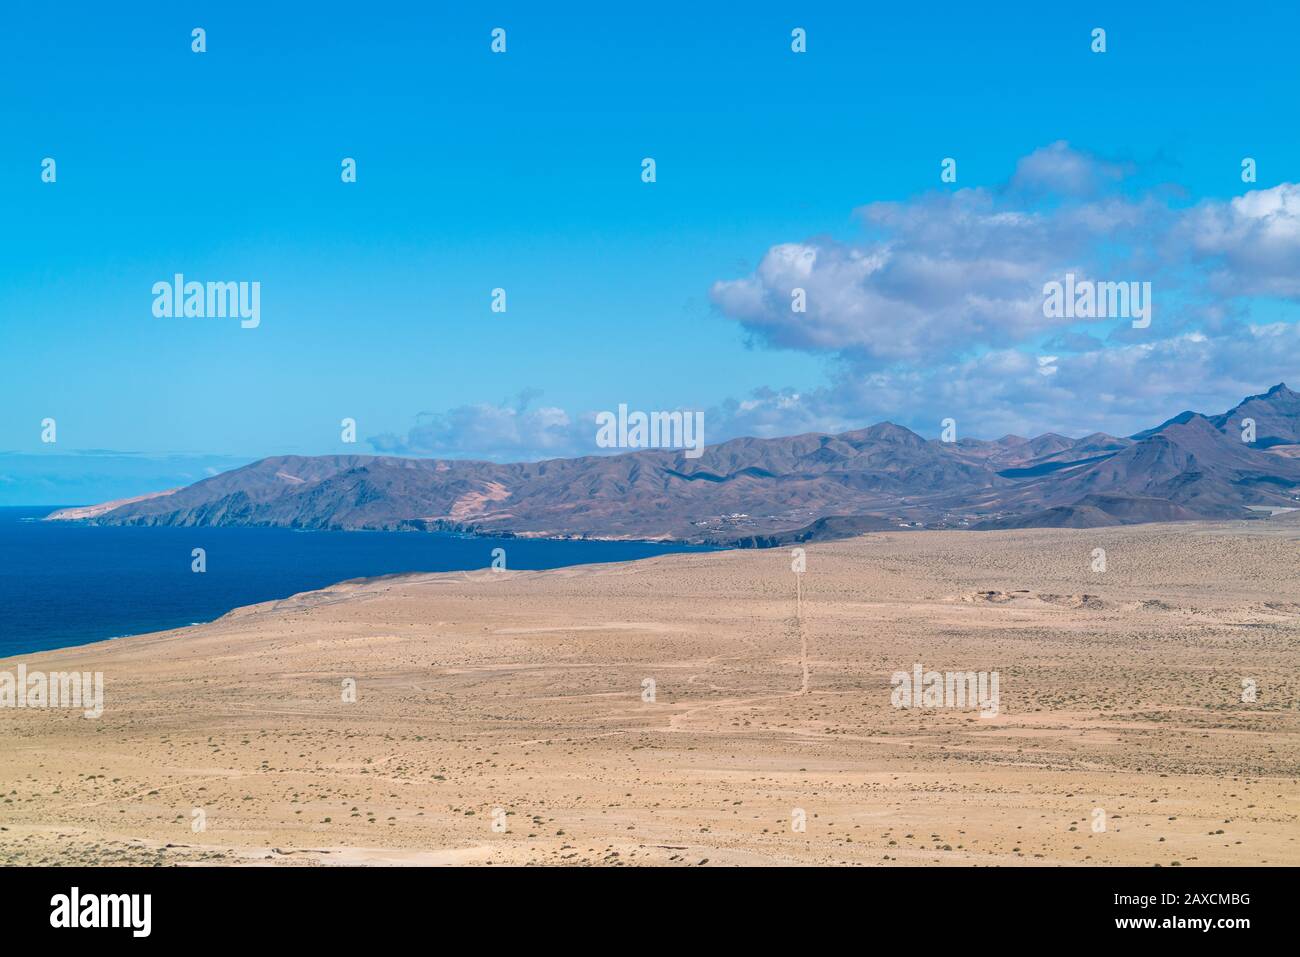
(1062, 170)
(1252, 242)
(1119, 389)
(937, 312)
(945, 274)
(509, 430)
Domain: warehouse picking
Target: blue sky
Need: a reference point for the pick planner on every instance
(522, 171)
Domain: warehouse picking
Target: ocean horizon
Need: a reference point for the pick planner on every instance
(71, 583)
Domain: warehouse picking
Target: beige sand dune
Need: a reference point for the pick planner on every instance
(519, 699)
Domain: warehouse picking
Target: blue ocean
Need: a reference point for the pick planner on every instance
(67, 584)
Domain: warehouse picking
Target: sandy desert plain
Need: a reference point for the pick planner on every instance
(523, 691)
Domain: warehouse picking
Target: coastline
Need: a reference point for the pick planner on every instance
(77, 582)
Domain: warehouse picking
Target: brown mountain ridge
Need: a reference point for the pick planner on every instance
(750, 491)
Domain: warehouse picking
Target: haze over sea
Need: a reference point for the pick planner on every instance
(66, 583)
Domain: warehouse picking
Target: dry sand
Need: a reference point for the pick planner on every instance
(1119, 690)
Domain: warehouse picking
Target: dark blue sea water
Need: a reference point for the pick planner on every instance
(67, 584)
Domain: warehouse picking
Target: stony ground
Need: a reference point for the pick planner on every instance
(694, 709)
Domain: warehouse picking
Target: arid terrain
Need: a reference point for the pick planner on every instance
(1120, 703)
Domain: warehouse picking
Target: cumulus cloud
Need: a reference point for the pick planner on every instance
(936, 311)
(949, 273)
(511, 431)
(508, 430)
(1251, 242)
(1119, 389)
(1059, 169)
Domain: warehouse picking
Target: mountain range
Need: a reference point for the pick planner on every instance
(750, 491)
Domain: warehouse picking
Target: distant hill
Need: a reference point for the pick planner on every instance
(1276, 414)
(1095, 511)
(775, 491)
